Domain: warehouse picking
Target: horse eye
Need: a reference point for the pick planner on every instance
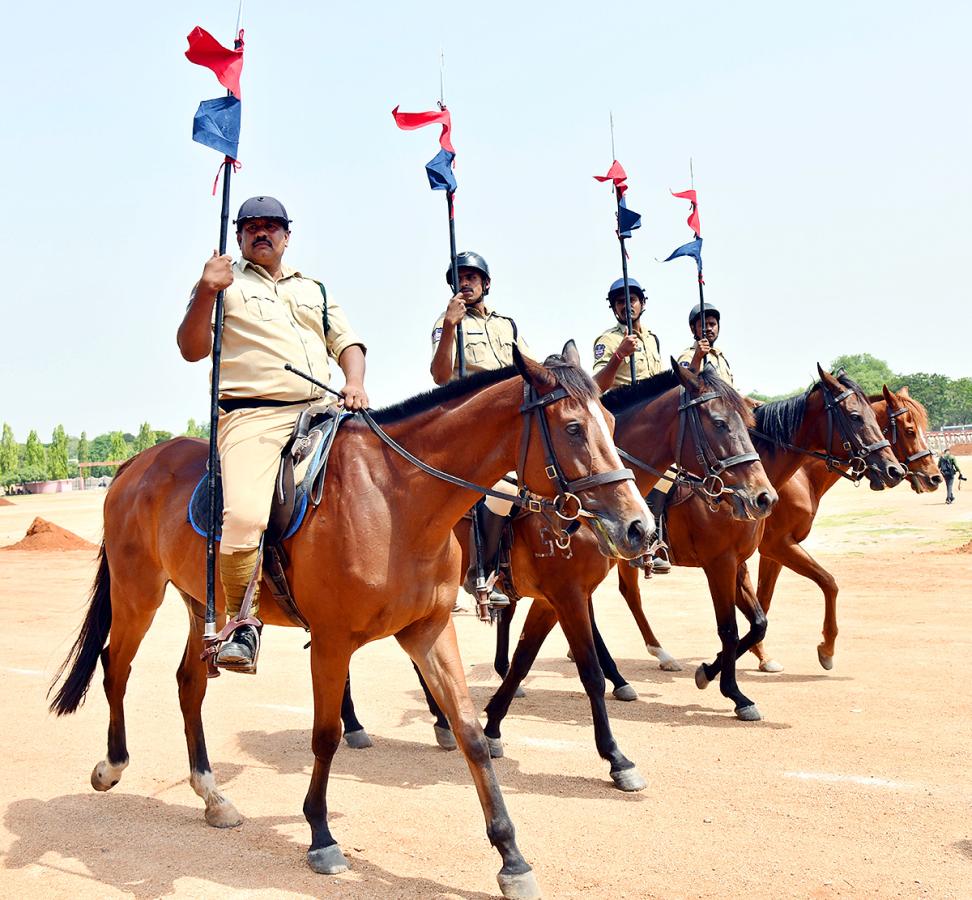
(721, 424)
(574, 428)
(856, 417)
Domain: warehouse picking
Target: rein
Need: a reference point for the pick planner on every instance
(857, 461)
(709, 486)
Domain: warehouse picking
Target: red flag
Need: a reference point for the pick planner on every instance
(693, 219)
(410, 121)
(617, 175)
(227, 65)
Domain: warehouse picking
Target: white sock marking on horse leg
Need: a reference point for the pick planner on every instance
(660, 653)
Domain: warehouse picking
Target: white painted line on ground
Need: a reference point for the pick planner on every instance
(38, 673)
(867, 780)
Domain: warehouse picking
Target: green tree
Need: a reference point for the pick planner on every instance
(34, 454)
(161, 436)
(868, 371)
(145, 438)
(9, 451)
(118, 448)
(934, 391)
(57, 455)
(84, 451)
(100, 447)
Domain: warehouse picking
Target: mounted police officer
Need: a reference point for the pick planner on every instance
(612, 369)
(487, 344)
(704, 349)
(612, 349)
(272, 315)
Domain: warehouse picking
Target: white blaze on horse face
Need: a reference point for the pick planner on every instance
(612, 454)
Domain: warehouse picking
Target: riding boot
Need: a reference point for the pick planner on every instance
(660, 564)
(239, 653)
(491, 527)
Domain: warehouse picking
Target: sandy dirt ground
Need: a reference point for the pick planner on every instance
(855, 784)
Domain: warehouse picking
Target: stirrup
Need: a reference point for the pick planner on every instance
(242, 663)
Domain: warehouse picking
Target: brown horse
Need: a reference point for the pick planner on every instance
(904, 421)
(832, 420)
(376, 558)
(656, 423)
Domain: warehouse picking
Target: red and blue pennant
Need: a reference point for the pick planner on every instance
(692, 248)
(439, 169)
(628, 219)
(216, 123)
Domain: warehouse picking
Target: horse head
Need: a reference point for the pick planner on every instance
(853, 433)
(568, 440)
(720, 450)
(907, 421)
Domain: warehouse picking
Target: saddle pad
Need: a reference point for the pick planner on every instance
(308, 475)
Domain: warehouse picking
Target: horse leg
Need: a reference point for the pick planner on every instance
(501, 661)
(355, 735)
(329, 675)
(191, 676)
(801, 562)
(443, 733)
(631, 591)
(539, 622)
(432, 646)
(769, 572)
(721, 575)
(577, 628)
(622, 690)
(747, 602)
(133, 607)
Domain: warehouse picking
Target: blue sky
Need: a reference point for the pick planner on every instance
(831, 145)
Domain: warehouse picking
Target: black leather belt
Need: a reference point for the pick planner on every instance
(231, 405)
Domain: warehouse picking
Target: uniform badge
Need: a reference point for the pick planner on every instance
(599, 350)
(436, 334)
(686, 363)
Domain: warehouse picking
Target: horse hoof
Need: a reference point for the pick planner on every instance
(519, 693)
(701, 679)
(666, 662)
(105, 776)
(445, 738)
(625, 692)
(223, 815)
(628, 780)
(358, 740)
(826, 661)
(748, 713)
(519, 887)
(327, 860)
(770, 665)
(495, 747)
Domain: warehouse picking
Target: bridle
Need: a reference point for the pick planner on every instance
(892, 427)
(709, 486)
(857, 450)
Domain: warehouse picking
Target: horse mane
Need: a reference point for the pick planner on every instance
(918, 412)
(574, 380)
(779, 420)
(621, 400)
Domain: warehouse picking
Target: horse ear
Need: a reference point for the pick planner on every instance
(827, 378)
(532, 372)
(903, 391)
(687, 376)
(570, 353)
(888, 395)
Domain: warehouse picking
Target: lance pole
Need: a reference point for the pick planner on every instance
(701, 284)
(628, 327)
(454, 279)
(209, 633)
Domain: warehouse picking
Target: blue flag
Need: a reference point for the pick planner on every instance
(693, 249)
(628, 219)
(217, 125)
(439, 170)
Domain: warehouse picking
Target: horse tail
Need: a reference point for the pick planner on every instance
(83, 656)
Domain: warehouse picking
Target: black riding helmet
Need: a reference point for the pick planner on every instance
(710, 310)
(468, 259)
(617, 290)
(262, 208)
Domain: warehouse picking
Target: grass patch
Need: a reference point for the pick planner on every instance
(853, 518)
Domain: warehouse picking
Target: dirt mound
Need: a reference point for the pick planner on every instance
(965, 548)
(5, 502)
(44, 535)
(961, 449)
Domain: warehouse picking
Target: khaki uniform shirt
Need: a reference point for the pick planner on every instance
(488, 341)
(267, 324)
(715, 357)
(646, 355)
